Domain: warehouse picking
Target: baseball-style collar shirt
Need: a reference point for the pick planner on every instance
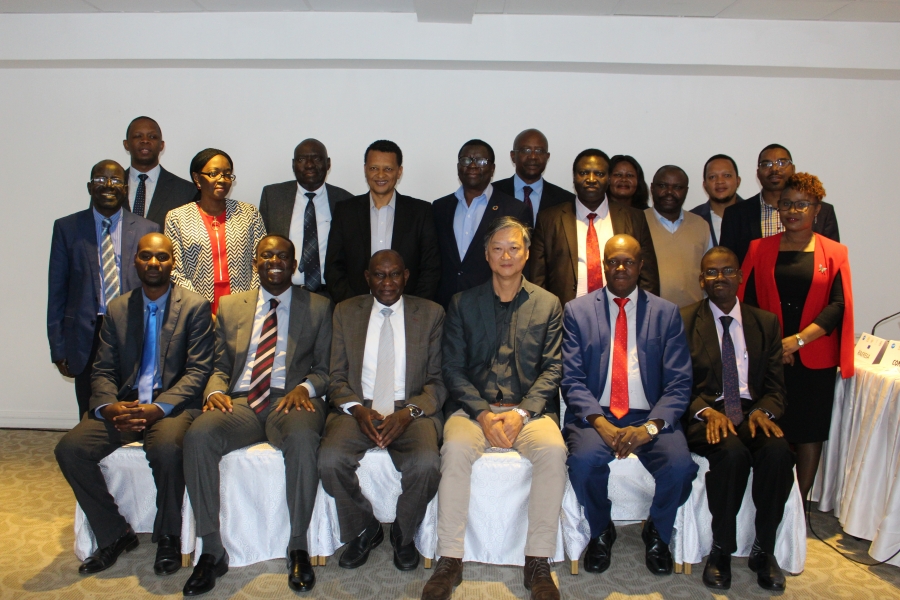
(115, 234)
(468, 217)
(637, 399)
(603, 227)
(149, 184)
(323, 226)
(537, 191)
(381, 221)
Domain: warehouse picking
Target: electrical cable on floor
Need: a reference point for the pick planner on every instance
(836, 549)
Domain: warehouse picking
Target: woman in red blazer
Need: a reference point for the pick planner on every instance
(804, 279)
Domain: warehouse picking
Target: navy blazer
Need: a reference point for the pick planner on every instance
(663, 355)
(73, 299)
(704, 211)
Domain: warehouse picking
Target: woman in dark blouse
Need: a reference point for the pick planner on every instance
(626, 182)
(804, 279)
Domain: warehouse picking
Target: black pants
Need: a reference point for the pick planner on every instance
(83, 379)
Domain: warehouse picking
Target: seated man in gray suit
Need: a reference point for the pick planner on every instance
(271, 371)
(155, 355)
(387, 388)
(301, 210)
(502, 365)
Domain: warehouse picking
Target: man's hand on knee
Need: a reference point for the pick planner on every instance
(364, 417)
(218, 401)
(297, 398)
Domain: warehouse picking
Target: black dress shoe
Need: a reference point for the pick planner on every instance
(357, 552)
(104, 558)
(203, 579)
(657, 556)
(599, 551)
(717, 573)
(406, 558)
(768, 573)
(168, 555)
(301, 577)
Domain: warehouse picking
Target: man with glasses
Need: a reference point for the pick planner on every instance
(530, 154)
(758, 217)
(680, 238)
(87, 272)
(465, 216)
(301, 211)
(738, 394)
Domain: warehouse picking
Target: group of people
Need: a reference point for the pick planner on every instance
(329, 324)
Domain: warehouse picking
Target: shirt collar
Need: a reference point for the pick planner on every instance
(537, 187)
(677, 222)
(392, 203)
(582, 212)
(283, 299)
(160, 302)
(397, 307)
(152, 175)
(521, 287)
(611, 297)
(484, 198)
(735, 312)
(98, 218)
(318, 191)
(765, 206)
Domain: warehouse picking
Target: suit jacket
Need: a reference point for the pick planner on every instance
(554, 248)
(470, 346)
(171, 191)
(185, 349)
(663, 356)
(308, 343)
(741, 225)
(73, 299)
(276, 205)
(552, 195)
(350, 242)
(765, 371)
(457, 274)
(423, 321)
(704, 211)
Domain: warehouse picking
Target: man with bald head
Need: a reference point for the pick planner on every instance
(626, 383)
(155, 355)
(530, 154)
(301, 210)
(87, 272)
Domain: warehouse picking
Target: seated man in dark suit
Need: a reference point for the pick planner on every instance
(721, 182)
(382, 219)
(626, 383)
(270, 374)
(152, 191)
(155, 355)
(465, 216)
(758, 216)
(738, 394)
(301, 210)
(530, 154)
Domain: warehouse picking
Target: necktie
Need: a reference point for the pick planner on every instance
(383, 402)
(527, 198)
(309, 258)
(261, 375)
(730, 382)
(108, 263)
(594, 264)
(618, 397)
(140, 196)
(148, 358)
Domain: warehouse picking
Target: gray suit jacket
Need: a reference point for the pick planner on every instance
(470, 345)
(424, 324)
(276, 205)
(308, 347)
(185, 349)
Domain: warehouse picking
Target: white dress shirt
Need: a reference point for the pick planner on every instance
(370, 354)
(382, 223)
(637, 399)
(717, 224)
(323, 226)
(603, 227)
(149, 185)
(672, 226)
(736, 329)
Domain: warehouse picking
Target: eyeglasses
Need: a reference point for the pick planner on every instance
(781, 162)
(799, 205)
(675, 187)
(310, 158)
(465, 161)
(215, 175)
(711, 274)
(111, 181)
(533, 151)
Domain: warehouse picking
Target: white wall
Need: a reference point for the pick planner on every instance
(57, 120)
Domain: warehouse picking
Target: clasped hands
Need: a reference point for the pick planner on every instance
(622, 440)
(718, 425)
(389, 429)
(297, 398)
(132, 416)
(500, 429)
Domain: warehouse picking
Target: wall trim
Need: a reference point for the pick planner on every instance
(35, 419)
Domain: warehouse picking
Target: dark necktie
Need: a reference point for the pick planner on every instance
(618, 394)
(140, 196)
(527, 198)
(261, 375)
(309, 258)
(594, 264)
(730, 382)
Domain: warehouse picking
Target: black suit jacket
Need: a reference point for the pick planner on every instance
(350, 242)
(704, 211)
(457, 274)
(171, 191)
(554, 248)
(276, 205)
(765, 376)
(550, 197)
(741, 225)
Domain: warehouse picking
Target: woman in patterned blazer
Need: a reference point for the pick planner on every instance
(214, 238)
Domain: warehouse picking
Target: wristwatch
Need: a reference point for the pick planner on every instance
(800, 341)
(652, 429)
(524, 414)
(414, 411)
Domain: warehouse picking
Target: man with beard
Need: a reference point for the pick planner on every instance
(721, 182)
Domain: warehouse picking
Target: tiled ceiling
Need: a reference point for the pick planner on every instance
(463, 10)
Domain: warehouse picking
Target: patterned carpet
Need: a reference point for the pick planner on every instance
(36, 558)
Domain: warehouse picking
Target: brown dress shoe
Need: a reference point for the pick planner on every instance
(538, 579)
(447, 575)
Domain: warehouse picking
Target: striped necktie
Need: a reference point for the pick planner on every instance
(261, 376)
(108, 263)
(309, 258)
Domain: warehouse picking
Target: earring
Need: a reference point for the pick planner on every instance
(815, 219)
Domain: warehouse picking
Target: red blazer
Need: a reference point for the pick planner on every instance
(830, 257)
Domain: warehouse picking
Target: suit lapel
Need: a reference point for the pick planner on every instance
(642, 320)
(756, 221)
(284, 208)
(87, 226)
(753, 339)
(129, 248)
(329, 190)
(523, 322)
(136, 334)
(601, 306)
(365, 227)
(242, 337)
(490, 213)
(486, 308)
(299, 307)
(705, 326)
(355, 340)
(170, 321)
(571, 234)
(620, 223)
(411, 326)
(402, 224)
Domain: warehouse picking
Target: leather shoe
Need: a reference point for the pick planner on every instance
(203, 579)
(168, 555)
(301, 577)
(657, 556)
(406, 558)
(447, 575)
(104, 558)
(717, 573)
(599, 550)
(357, 552)
(768, 573)
(538, 579)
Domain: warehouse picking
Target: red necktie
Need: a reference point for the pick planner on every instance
(594, 264)
(261, 374)
(618, 397)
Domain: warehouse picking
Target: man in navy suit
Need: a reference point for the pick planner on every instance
(721, 182)
(626, 382)
(79, 287)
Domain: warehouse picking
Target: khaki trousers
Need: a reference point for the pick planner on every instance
(540, 441)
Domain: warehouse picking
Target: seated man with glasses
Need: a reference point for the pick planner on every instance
(738, 394)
